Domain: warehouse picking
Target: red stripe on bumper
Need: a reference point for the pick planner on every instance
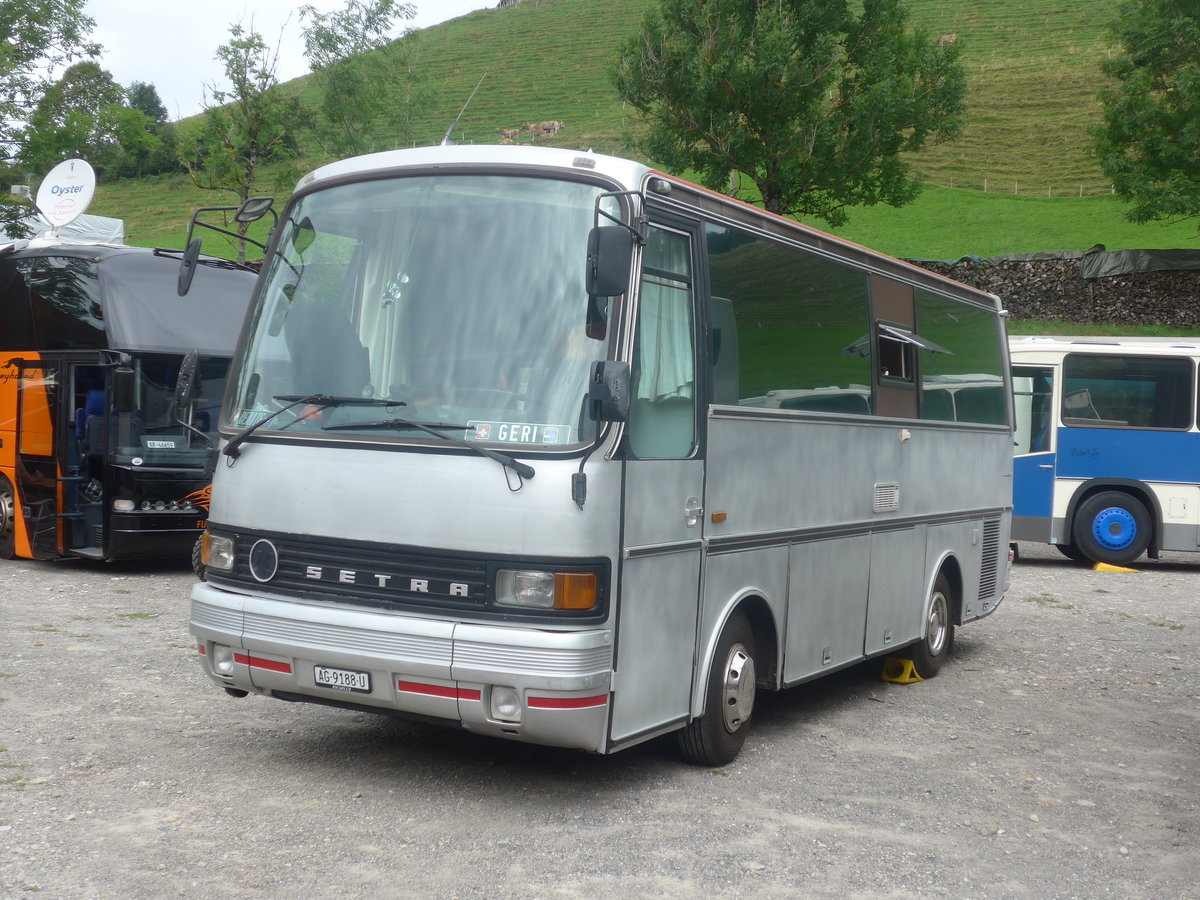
(257, 662)
(437, 690)
(567, 702)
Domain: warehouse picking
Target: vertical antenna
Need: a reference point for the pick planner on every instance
(454, 124)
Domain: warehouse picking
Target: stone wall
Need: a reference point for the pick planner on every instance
(1043, 286)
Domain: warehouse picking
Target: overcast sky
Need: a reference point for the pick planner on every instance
(172, 44)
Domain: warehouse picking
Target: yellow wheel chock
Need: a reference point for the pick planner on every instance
(900, 670)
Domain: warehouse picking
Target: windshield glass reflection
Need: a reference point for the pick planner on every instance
(458, 298)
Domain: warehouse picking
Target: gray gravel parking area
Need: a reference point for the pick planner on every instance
(1056, 755)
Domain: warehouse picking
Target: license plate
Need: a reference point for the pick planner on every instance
(342, 679)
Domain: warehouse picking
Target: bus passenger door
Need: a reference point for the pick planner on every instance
(38, 400)
(1035, 448)
(664, 484)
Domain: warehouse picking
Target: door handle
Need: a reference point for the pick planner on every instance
(692, 512)
(1045, 467)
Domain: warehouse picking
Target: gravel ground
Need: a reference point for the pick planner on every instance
(1057, 755)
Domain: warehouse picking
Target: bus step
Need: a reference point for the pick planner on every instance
(87, 552)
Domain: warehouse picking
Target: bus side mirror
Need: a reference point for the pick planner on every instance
(608, 392)
(610, 253)
(187, 267)
(253, 209)
(123, 388)
(187, 382)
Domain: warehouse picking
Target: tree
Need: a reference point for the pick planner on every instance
(812, 104)
(36, 38)
(144, 97)
(1148, 141)
(84, 114)
(363, 73)
(247, 125)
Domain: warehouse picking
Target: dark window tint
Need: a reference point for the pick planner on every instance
(790, 329)
(1127, 391)
(16, 332)
(65, 296)
(960, 362)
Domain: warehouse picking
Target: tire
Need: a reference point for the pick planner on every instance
(937, 642)
(1071, 552)
(197, 566)
(1112, 527)
(717, 736)
(8, 519)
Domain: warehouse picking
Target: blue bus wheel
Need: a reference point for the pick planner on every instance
(1112, 527)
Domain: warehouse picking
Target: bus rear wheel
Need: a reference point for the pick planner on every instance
(8, 517)
(1112, 527)
(717, 736)
(931, 651)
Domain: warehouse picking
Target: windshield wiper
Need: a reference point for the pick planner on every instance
(233, 448)
(525, 471)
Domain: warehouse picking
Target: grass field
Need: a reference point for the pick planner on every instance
(1033, 78)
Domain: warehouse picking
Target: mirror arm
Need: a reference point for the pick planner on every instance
(638, 228)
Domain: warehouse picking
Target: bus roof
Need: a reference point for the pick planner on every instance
(140, 305)
(632, 176)
(1057, 345)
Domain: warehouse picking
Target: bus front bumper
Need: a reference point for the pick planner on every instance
(537, 685)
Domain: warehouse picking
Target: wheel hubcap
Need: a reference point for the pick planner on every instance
(738, 691)
(6, 512)
(936, 625)
(1114, 528)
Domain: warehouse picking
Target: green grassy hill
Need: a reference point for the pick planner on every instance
(1033, 77)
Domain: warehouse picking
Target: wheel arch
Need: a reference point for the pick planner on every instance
(753, 604)
(1139, 490)
(949, 566)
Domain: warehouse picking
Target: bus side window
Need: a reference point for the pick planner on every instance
(662, 417)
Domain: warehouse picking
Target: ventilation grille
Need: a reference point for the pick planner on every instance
(989, 567)
(887, 498)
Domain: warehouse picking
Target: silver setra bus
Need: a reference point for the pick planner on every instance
(557, 448)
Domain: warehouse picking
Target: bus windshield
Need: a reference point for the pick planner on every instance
(459, 298)
(151, 435)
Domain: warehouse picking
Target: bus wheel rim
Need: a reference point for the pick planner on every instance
(7, 511)
(737, 693)
(935, 627)
(1114, 528)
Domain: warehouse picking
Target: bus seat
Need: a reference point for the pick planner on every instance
(937, 405)
(986, 405)
(1078, 405)
(327, 356)
(93, 405)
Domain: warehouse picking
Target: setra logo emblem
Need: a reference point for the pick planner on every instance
(264, 560)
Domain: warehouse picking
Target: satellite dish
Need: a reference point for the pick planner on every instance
(65, 192)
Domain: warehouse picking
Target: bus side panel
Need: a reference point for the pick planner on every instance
(1168, 462)
(1149, 456)
(787, 481)
(896, 605)
(821, 635)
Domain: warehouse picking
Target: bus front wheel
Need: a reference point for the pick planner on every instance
(931, 651)
(1071, 552)
(716, 737)
(1112, 527)
(8, 516)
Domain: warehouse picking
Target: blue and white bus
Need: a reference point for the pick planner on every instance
(1107, 447)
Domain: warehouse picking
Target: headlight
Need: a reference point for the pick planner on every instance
(546, 590)
(216, 552)
(221, 659)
